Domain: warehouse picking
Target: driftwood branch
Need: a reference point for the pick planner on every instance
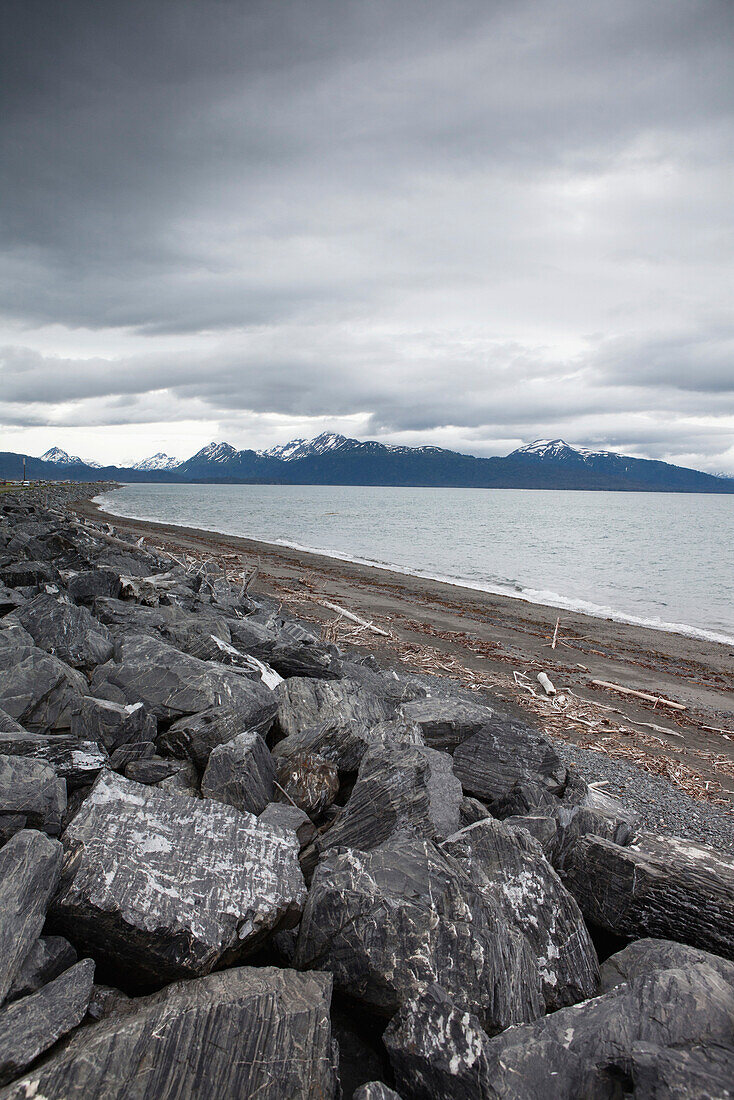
(655, 699)
(354, 618)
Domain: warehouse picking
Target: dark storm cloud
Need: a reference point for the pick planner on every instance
(500, 215)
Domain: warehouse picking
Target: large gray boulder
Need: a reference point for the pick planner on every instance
(241, 773)
(509, 869)
(343, 711)
(65, 630)
(195, 736)
(398, 786)
(113, 724)
(172, 685)
(647, 955)
(86, 585)
(37, 689)
(587, 1049)
(27, 574)
(32, 1025)
(238, 1033)
(32, 789)
(30, 864)
(288, 647)
(437, 1049)
(503, 753)
(76, 762)
(388, 921)
(195, 633)
(446, 723)
(704, 1072)
(587, 811)
(658, 886)
(161, 885)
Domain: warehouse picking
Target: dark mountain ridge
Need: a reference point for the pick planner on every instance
(335, 460)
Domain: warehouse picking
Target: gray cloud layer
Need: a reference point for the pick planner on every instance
(492, 220)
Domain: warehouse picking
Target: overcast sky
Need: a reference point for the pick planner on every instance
(471, 224)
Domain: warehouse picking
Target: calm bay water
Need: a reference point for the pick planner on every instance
(662, 559)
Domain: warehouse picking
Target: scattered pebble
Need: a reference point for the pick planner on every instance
(662, 807)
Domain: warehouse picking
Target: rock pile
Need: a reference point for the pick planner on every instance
(235, 861)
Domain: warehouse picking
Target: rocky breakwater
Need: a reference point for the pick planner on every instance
(235, 861)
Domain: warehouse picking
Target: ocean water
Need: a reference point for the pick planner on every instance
(660, 559)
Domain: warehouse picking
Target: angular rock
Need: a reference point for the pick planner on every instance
(152, 769)
(525, 798)
(398, 787)
(107, 1001)
(309, 780)
(10, 824)
(284, 816)
(195, 737)
(446, 723)
(504, 752)
(375, 1090)
(249, 1032)
(509, 869)
(126, 754)
(49, 957)
(592, 812)
(172, 685)
(240, 773)
(162, 885)
(472, 810)
(66, 631)
(583, 1047)
(194, 633)
(76, 762)
(84, 587)
(30, 864)
(543, 829)
(31, 788)
(38, 690)
(438, 1050)
(9, 600)
(668, 1073)
(339, 706)
(185, 780)
(113, 724)
(287, 647)
(31, 1025)
(27, 574)
(658, 886)
(389, 921)
(645, 956)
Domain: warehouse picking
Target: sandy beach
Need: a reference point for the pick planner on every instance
(500, 643)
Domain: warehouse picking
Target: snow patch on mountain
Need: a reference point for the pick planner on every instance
(63, 458)
(305, 448)
(159, 461)
(559, 449)
(216, 452)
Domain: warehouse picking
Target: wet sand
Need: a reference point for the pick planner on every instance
(495, 641)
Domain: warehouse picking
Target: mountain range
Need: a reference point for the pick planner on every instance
(332, 459)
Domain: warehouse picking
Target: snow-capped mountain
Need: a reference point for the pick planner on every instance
(215, 452)
(559, 452)
(158, 461)
(304, 448)
(62, 458)
(333, 459)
